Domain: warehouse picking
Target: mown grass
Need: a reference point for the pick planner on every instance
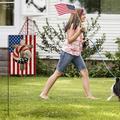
(67, 101)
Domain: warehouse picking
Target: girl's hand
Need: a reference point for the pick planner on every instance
(83, 29)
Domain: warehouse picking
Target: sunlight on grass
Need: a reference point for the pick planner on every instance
(81, 106)
(36, 84)
(111, 114)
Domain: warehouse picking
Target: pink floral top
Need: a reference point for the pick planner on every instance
(75, 47)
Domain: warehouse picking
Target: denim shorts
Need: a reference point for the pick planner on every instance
(66, 58)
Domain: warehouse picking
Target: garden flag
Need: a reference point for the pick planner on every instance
(22, 54)
(63, 8)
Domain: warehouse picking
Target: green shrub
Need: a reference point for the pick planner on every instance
(42, 68)
(99, 70)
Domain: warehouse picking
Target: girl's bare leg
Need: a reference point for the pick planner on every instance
(86, 84)
(50, 82)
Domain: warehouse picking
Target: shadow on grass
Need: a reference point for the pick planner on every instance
(53, 112)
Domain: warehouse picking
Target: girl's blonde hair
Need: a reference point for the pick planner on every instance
(74, 19)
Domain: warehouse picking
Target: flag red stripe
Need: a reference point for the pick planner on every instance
(13, 67)
(30, 51)
(63, 9)
(17, 51)
(26, 65)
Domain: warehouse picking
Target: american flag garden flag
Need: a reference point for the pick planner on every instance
(30, 66)
(63, 8)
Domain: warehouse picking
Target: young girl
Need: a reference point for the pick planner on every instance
(71, 52)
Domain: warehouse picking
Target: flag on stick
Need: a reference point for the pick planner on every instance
(63, 8)
(30, 66)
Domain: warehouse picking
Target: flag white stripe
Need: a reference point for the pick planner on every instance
(15, 67)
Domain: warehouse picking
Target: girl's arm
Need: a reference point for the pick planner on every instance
(73, 35)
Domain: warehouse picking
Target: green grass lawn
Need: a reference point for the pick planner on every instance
(67, 101)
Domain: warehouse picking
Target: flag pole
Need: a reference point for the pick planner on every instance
(8, 96)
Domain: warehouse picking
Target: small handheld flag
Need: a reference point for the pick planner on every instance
(63, 8)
